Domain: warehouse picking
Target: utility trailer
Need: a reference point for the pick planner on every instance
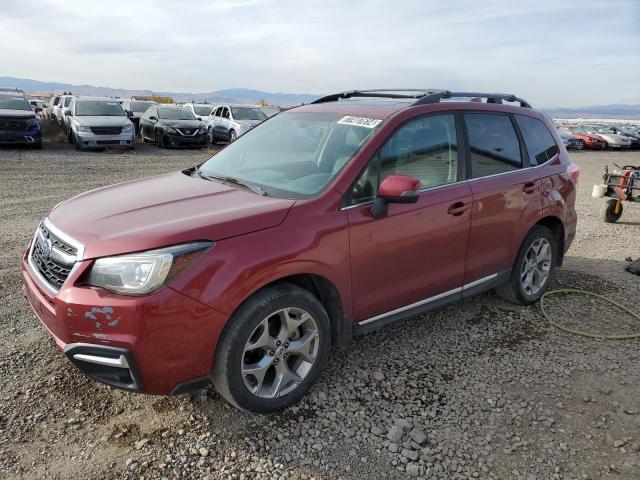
(620, 185)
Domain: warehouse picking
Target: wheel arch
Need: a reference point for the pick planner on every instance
(329, 296)
(556, 226)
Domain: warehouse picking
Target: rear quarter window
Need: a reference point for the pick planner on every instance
(540, 144)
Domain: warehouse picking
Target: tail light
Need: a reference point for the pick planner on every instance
(574, 172)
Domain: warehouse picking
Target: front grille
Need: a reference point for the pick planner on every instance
(51, 269)
(106, 130)
(108, 142)
(12, 124)
(60, 245)
(187, 131)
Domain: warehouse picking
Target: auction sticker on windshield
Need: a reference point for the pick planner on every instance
(360, 121)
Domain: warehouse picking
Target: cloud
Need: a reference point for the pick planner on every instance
(553, 53)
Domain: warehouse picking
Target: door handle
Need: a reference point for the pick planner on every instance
(529, 187)
(458, 208)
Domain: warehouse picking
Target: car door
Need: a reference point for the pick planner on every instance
(217, 123)
(416, 254)
(146, 127)
(224, 123)
(506, 195)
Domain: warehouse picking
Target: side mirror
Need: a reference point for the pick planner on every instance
(67, 111)
(129, 113)
(395, 189)
(38, 109)
(153, 119)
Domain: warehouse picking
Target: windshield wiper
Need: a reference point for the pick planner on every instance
(232, 180)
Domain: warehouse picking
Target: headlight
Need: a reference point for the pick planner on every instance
(127, 129)
(202, 129)
(145, 272)
(83, 128)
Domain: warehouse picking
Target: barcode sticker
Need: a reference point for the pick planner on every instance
(360, 121)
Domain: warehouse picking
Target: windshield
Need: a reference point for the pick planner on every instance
(293, 155)
(603, 130)
(67, 101)
(248, 113)
(14, 102)
(98, 108)
(202, 111)
(175, 114)
(140, 107)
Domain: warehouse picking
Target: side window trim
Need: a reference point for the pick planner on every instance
(524, 154)
(462, 168)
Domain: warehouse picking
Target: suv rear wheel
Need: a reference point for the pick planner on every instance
(273, 349)
(533, 268)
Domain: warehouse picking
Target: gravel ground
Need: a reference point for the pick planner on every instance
(482, 389)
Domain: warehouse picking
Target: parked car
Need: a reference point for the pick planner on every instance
(570, 141)
(629, 132)
(97, 123)
(65, 101)
(19, 124)
(327, 220)
(586, 140)
(228, 122)
(612, 140)
(63, 121)
(172, 126)
(136, 109)
(200, 110)
(50, 110)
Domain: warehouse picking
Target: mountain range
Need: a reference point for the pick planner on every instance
(245, 95)
(233, 95)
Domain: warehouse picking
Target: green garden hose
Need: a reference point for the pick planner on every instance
(601, 336)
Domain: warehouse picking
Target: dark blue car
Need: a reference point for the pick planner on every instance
(18, 121)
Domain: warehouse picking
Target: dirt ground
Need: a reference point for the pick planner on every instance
(483, 389)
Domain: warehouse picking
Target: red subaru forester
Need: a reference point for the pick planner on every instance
(325, 221)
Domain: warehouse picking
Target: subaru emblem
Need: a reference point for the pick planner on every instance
(46, 247)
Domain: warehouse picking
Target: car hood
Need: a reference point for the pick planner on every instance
(102, 121)
(180, 123)
(250, 123)
(164, 210)
(26, 114)
(613, 137)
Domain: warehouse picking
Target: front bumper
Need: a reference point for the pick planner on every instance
(91, 140)
(24, 137)
(157, 344)
(178, 140)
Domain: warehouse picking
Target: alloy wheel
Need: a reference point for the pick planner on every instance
(280, 352)
(536, 266)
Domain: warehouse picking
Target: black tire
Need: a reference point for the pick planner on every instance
(226, 374)
(37, 145)
(580, 145)
(609, 214)
(605, 145)
(512, 291)
(211, 137)
(74, 141)
(159, 139)
(232, 136)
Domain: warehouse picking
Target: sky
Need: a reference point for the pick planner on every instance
(553, 53)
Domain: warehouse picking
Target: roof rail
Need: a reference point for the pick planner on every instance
(435, 97)
(423, 96)
(378, 93)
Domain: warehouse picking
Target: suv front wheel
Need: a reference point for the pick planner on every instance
(533, 268)
(273, 349)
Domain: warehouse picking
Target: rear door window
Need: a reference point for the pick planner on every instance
(540, 144)
(493, 143)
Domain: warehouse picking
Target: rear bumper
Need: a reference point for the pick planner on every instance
(159, 344)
